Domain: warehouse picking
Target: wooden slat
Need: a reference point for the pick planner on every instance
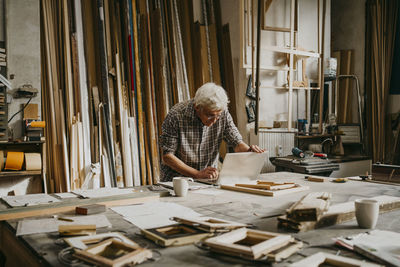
(66, 205)
(138, 92)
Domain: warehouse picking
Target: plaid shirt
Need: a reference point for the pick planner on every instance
(184, 135)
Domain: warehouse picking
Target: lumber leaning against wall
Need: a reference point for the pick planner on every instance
(90, 114)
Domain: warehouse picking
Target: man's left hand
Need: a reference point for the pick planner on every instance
(255, 148)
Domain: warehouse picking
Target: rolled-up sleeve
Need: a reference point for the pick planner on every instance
(231, 133)
(169, 137)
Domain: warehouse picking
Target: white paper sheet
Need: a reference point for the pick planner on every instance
(78, 241)
(103, 192)
(376, 243)
(192, 185)
(29, 200)
(208, 192)
(154, 214)
(66, 195)
(26, 227)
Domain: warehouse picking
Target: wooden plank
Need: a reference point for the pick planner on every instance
(216, 74)
(159, 66)
(228, 72)
(269, 193)
(138, 92)
(70, 205)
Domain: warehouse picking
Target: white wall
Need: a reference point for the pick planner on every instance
(23, 53)
(273, 104)
(348, 32)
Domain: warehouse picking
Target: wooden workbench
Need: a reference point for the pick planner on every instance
(260, 211)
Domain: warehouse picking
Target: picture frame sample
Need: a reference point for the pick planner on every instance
(251, 111)
(210, 224)
(112, 252)
(175, 235)
(248, 243)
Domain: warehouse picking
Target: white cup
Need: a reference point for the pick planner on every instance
(367, 212)
(181, 185)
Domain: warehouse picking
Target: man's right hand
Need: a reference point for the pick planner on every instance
(209, 173)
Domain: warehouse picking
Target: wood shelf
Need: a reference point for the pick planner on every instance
(21, 143)
(5, 174)
(316, 136)
(291, 51)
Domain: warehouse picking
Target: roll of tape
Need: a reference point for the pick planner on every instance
(14, 161)
(1, 160)
(33, 161)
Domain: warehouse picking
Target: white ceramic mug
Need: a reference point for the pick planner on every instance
(181, 185)
(367, 212)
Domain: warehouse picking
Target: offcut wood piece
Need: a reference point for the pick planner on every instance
(317, 179)
(322, 258)
(31, 112)
(269, 185)
(77, 229)
(337, 214)
(210, 224)
(175, 235)
(114, 253)
(309, 207)
(266, 192)
(90, 209)
(66, 206)
(248, 243)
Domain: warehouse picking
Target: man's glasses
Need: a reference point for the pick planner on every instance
(212, 116)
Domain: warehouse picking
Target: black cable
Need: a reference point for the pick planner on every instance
(12, 117)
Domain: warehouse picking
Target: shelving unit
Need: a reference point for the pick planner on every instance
(291, 50)
(26, 147)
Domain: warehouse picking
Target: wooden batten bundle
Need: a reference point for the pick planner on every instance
(111, 71)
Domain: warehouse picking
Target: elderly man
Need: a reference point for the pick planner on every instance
(193, 131)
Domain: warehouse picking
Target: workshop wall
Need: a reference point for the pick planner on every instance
(22, 32)
(345, 13)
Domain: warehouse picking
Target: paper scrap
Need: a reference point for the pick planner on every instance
(192, 185)
(154, 214)
(29, 200)
(26, 227)
(66, 195)
(103, 192)
(208, 192)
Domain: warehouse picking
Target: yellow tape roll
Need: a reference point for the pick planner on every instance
(38, 124)
(14, 161)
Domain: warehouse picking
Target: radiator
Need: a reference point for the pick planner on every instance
(277, 143)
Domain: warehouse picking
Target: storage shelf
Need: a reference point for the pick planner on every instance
(316, 136)
(291, 51)
(5, 174)
(287, 87)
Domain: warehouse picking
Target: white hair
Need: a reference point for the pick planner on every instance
(211, 96)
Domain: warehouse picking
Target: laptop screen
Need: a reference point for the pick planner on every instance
(245, 165)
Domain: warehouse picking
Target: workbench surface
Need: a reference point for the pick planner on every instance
(261, 211)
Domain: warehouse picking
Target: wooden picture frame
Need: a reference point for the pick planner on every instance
(250, 90)
(332, 260)
(210, 224)
(248, 243)
(175, 235)
(112, 252)
(251, 111)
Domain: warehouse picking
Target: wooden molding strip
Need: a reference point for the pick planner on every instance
(70, 205)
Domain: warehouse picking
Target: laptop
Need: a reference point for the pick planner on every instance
(239, 166)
